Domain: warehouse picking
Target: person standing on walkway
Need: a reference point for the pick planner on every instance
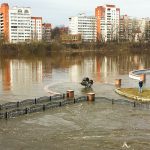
(140, 86)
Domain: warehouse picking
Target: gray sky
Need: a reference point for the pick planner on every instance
(57, 12)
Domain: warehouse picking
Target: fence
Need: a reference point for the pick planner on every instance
(132, 103)
(14, 109)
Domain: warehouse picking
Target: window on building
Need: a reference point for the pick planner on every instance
(26, 12)
(19, 11)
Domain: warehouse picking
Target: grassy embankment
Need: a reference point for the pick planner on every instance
(44, 49)
(30, 49)
(135, 93)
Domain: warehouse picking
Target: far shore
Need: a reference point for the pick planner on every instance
(44, 49)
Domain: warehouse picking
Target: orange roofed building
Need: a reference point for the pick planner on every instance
(4, 11)
(17, 25)
(107, 22)
(36, 28)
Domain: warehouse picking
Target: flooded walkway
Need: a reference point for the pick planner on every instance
(86, 126)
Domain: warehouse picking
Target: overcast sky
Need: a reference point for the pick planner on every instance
(57, 12)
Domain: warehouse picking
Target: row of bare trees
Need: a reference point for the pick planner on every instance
(133, 30)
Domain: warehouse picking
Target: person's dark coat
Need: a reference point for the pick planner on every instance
(140, 83)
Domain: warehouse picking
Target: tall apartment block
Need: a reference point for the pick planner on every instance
(17, 25)
(1, 26)
(107, 22)
(134, 29)
(36, 28)
(46, 32)
(147, 29)
(20, 24)
(4, 21)
(84, 25)
(125, 33)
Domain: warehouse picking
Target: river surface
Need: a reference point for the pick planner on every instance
(85, 126)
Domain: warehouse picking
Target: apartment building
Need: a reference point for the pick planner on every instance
(46, 32)
(19, 24)
(125, 33)
(147, 29)
(134, 29)
(4, 21)
(1, 26)
(36, 28)
(84, 25)
(139, 29)
(107, 22)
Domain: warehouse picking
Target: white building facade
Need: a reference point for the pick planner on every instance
(134, 29)
(84, 25)
(19, 24)
(36, 28)
(107, 22)
(147, 29)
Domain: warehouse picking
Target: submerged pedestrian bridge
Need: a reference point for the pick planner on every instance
(139, 74)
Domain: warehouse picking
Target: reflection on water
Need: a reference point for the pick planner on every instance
(21, 79)
(86, 126)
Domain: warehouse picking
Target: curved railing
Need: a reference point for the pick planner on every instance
(15, 109)
(136, 74)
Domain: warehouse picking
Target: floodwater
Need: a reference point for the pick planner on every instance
(84, 126)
